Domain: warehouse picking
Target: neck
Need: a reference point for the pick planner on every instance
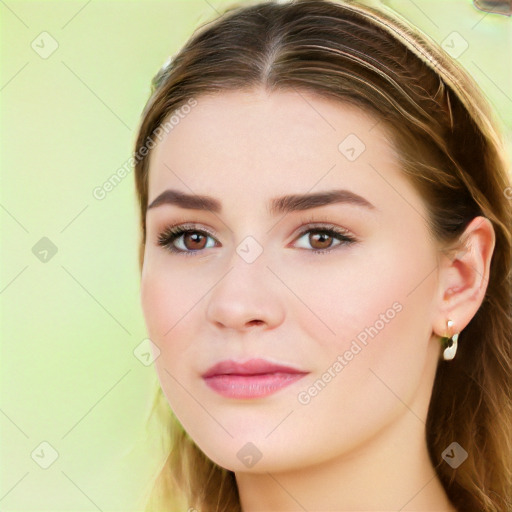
(392, 471)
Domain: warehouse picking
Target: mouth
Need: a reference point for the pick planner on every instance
(255, 378)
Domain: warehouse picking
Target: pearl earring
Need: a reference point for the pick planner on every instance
(450, 343)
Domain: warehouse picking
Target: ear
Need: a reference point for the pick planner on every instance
(463, 277)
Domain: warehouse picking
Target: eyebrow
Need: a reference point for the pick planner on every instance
(278, 205)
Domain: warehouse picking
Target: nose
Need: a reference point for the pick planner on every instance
(247, 296)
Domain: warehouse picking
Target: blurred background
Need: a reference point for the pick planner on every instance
(76, 378)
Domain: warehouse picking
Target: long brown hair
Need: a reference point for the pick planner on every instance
(448, 143)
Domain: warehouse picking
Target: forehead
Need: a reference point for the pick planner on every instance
(259, 142)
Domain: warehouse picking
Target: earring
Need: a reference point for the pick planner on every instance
(449, 343)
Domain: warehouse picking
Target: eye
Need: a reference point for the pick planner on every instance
(321, 238)
(184, 239)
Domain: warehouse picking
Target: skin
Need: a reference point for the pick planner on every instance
(359, 444)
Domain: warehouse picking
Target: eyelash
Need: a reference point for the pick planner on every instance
(171, 233)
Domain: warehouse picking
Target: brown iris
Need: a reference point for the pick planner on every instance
(324, 241)
(198, 240)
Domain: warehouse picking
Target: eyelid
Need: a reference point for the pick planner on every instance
(187, 225)
(319, 222)
(317, 225)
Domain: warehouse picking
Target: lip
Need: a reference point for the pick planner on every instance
(254, 378)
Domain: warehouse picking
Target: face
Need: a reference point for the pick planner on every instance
(334, 292)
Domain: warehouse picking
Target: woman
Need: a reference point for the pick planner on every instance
(325, 268)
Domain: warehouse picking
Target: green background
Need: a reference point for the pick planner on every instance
(72, 320)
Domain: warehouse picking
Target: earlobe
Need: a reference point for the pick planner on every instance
(463, 278)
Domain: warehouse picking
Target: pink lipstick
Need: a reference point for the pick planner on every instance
(255, 378)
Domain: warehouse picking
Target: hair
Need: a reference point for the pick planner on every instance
(448, 145)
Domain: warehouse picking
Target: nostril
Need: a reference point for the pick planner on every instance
(255, 322)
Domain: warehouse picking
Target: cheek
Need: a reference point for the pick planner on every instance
(156, 303)
(341, 298)
(164, 302)
(376, 309)
(167, 309)
(172, 298)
